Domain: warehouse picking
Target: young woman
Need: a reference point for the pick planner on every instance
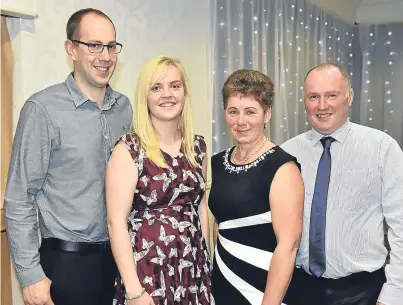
(155, 189)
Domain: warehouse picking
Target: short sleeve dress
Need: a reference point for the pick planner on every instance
(170, 252)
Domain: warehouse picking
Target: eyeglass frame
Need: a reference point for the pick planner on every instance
(99, 44)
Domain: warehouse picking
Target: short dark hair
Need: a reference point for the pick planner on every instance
(249, 83)
(345, 75)
(73, 24)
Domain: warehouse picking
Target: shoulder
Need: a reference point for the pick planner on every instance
(199, 139)
(47, 96)
(281, 157)
(124, 155)
(200, 143)
(369, 140)
(42, 102)
(296, 141)
(132, 144)
(298, 144)
(131, 140)
(373, 141)
(219, 157)
(365, 133)
(54, 101)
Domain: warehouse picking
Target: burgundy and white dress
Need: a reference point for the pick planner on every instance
(172, 260)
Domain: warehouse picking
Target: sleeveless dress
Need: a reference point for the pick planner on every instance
(172, 260)
(239, 201)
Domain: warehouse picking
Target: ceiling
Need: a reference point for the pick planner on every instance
(364, 11)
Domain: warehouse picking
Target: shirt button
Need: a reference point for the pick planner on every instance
(106, 137)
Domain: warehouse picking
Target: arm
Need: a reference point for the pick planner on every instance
(286, 204)
(215, 232)
(204, 209)
(121, 181)
(27, 172)
(391, 169)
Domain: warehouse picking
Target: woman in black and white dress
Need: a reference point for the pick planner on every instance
(256, 198)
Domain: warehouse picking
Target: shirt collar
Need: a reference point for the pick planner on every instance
(80, 98)
(339, 135)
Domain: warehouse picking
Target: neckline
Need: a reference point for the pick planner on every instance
(238, 168)
(178, 155)
(231, 150)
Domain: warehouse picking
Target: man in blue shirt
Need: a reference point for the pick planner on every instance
(353, 178)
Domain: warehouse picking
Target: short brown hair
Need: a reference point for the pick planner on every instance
(345, 75)
(73, 24)
(249, 83)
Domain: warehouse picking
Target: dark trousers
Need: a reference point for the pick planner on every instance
(79, 278)
(361, 288)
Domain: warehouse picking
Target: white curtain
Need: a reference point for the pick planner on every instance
(378, 99)
(283, 39)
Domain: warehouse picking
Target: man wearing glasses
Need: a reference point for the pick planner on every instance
(56, 177)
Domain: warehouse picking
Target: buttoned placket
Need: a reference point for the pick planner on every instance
(105, 131)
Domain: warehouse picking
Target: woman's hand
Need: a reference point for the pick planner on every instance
(145, 299)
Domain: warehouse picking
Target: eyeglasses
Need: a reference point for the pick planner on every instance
(94, 47)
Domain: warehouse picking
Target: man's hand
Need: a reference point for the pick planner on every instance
(38, 293)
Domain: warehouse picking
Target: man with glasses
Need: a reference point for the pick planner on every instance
(56, 177)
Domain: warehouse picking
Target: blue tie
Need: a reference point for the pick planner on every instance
(317, 229)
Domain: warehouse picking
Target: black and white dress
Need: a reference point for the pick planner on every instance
(239, 201)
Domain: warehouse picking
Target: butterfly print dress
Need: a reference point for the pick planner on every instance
(170, 252)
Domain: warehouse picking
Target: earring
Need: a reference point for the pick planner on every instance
(265, 125)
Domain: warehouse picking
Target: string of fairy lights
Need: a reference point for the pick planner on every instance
(284, 39)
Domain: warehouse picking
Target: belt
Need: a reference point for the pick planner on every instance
(347, 281)
(79, 247)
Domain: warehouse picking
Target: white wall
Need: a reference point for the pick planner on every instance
(19, 6)
(364, 11)
(25, 5)
(145, 28)
(380, 11)
(343, 9)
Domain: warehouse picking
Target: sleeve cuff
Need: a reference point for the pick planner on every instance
(30, 276)
(390, 295)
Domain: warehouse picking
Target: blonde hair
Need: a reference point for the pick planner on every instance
(143, 127)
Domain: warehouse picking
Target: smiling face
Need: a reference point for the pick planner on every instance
(245, 118)
(166, 98)
(93, 70)
(327, 99)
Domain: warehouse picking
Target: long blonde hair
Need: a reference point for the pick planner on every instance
(143, 127)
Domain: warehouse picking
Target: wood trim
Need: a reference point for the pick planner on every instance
(6, 105)
(2, 226)
(6, 289)
(6, 144)
(6, 295)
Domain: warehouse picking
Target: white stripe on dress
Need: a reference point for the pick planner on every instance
(246, 221)
(253, 295)
(260, 258)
